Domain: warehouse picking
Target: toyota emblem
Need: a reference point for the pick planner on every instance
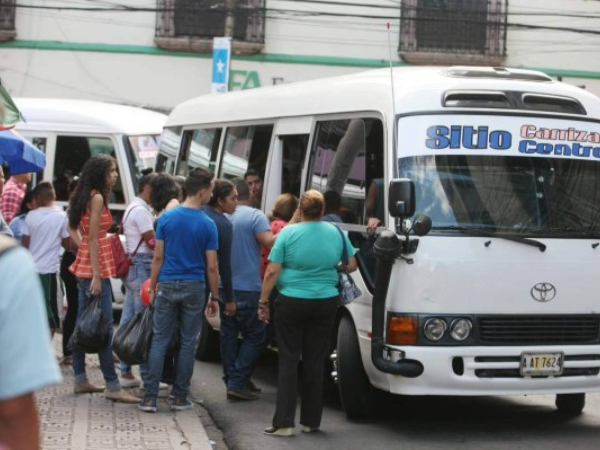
(543, 292)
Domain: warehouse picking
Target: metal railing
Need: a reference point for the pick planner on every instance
(210, 18)
(476, 27)
(7, 15)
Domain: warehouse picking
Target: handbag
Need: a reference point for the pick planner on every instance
(120, 258)
(346, 286)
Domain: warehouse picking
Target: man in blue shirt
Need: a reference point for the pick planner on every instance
(185, 238)
(27, 361)
(251, 229)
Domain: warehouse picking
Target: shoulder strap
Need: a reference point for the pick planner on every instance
(345, 259)
(6, 244)
(120, 228)
(137, 248)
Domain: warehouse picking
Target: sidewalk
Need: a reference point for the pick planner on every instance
(90, 422)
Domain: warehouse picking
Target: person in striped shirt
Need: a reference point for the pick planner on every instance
(13, 194)
(89, 222)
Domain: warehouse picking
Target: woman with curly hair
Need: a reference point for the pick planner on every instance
(165, 193)
(89, 222)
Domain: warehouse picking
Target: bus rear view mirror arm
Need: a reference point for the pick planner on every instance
(387, 248)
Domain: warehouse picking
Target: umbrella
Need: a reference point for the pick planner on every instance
(20, 154)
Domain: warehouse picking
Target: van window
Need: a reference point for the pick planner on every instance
(294, 152)
(169, 146)
(199, 149)
(347, 167)
(72, 152)
(246, 148)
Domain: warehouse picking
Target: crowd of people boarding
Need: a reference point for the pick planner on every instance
(207, 249)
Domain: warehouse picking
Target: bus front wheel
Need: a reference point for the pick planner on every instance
(570, 404)
(356, 392)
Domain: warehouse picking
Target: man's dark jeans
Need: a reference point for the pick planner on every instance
(183, 299)
(239, 359)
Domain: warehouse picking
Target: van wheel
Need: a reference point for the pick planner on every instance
(356, 392)
(208, 348)
(570, 404)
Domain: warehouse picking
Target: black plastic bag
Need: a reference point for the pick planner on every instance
(91, 332)
(132, 341)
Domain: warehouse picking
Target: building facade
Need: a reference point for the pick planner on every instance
(157, 53)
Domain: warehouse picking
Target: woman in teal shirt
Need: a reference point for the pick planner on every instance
(304, 263)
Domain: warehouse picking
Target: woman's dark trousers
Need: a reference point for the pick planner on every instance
(72, 293)
(304, 329)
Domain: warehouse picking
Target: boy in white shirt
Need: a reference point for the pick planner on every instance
(44, 231)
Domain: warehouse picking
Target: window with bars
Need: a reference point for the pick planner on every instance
(453, 31)
(190, 25)
(7, 20)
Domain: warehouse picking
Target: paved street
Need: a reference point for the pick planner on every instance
(410, 423)
(89, 421)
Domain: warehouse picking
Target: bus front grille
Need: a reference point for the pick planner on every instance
(539, 330)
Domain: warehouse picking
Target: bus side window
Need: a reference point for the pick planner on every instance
(169, 147)
(199, 149)
(338, 166)
(346, 164)
(246, 148)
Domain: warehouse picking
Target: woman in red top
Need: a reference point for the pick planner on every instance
(283, 210)
(89, 222)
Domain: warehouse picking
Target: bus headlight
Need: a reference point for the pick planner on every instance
(460, 329)
(435, 329)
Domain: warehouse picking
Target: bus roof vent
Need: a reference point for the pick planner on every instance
(552, 103)
(498, 73)
(476, 99)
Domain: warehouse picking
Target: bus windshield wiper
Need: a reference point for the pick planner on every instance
(490, 233)
(582, 231)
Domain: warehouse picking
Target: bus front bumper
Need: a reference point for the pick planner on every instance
(496, 371)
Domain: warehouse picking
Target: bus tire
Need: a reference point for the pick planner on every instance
(356, 392)
(208, 348)
(570, 404)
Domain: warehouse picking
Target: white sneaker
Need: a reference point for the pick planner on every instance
(161, 386)
(130, 382)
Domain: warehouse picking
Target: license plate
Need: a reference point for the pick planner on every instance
(542, 364)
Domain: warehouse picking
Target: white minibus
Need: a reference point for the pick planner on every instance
(71, 131)
(484, 184)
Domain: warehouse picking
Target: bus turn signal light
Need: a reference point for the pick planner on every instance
(402, 330)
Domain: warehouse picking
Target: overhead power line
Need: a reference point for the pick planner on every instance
(300, 13)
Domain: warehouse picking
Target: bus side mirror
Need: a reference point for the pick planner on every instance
(421, 225)
(401, 198)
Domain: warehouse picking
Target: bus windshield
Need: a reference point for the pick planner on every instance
(545, 197)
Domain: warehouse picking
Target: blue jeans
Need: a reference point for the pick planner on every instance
(183, 299)
(138, 273)
(239, 359)
(107, 364)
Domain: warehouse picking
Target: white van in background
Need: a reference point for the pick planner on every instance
(69, 132)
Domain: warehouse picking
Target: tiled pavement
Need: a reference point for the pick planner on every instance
(90, 422)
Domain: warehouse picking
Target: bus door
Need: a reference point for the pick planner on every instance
(287, 161)
(347, 166)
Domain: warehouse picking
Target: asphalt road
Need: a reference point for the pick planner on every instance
(487, 423)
